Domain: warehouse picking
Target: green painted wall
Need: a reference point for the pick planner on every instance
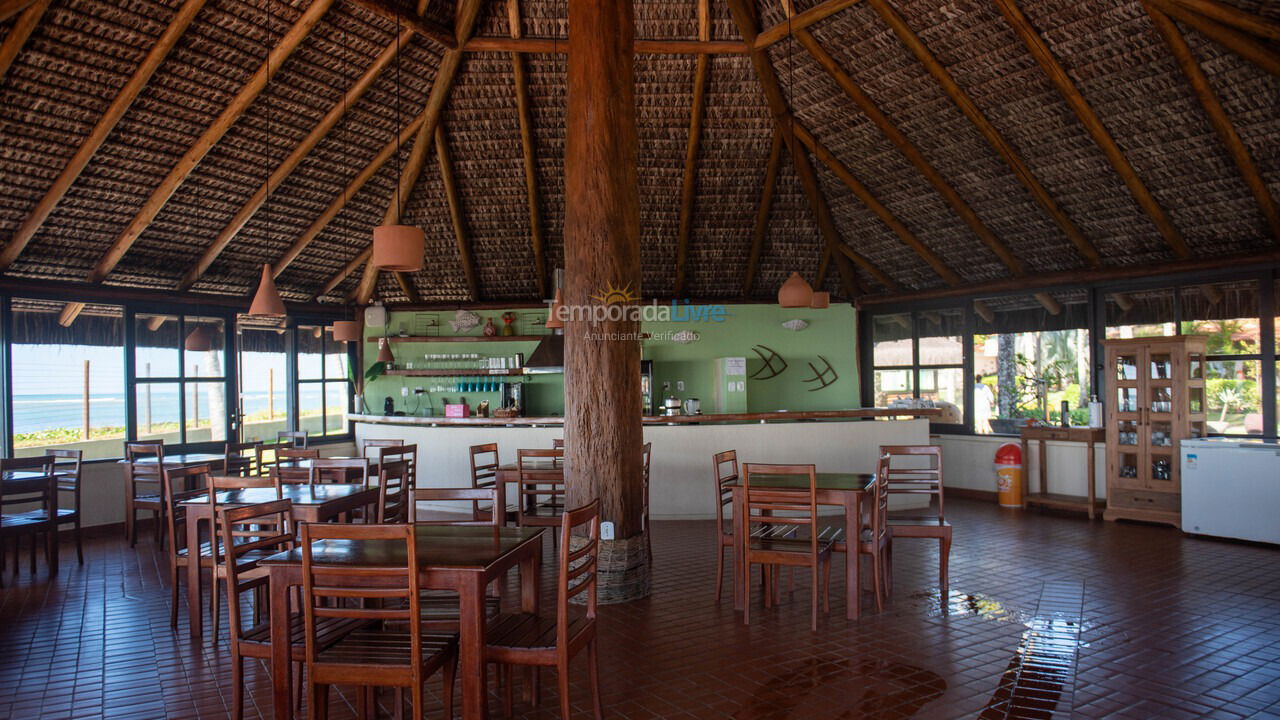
(831, 334)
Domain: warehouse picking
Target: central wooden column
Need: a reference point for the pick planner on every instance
(603, 433)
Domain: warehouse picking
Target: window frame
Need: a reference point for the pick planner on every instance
(296, 381)
(230, 370)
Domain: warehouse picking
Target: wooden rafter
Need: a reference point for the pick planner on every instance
(1092, 124)
(913, 154)
(290, 163)
(352, 265)
(1242, 44)
(528, 151)
(425, 27)
(1217, 117)
(642, 47)
(762, 212)
(1235, 17)
(9, 8)
(110, 117)
(690, 178)
(744, 18)
(800, 21)
(465, 259)
(19, 33)
(210, 137)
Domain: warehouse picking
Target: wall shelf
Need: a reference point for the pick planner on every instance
(458, 338)
(460, 372)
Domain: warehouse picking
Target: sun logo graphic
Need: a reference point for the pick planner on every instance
(616, 296)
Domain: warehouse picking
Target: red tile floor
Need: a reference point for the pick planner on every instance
(1047, 617)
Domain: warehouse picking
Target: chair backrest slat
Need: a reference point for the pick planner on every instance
(537, 482)
(724, 471)
(395, 488)
(271, 527)
(801, 503)
(181, 484)
(484, 464)
(906, 477)
(297, 438)
(469, 497)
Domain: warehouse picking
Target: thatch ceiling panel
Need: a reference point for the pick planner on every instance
(794, 243)
(664, 92)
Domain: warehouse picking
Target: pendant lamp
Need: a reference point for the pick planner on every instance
(384, 351)
(198, 340)
(346, 331)
(821, 299)
(553, 318)
(795, 292)
(398, 248)
(267, 302)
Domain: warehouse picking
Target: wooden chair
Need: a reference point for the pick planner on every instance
(557, 444)
(919, 481)
(269, 455)
(440, 607)
(143, 487)
(724, 471)
(531, 640)
(371, 443)
(769, 508)
(298, 438)
(646, 456)
(28, 522)
(67, 465)
(180, 556)
(542, 493)
(874, 537)
(395, 490)
(396, 453)
(242, 458)
(392, 650)
(484, 470)
(294, 475)
(340, 470)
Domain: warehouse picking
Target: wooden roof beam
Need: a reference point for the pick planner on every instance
(352, 265)
(528, 151)
(690, 179)
(642, 47)
(19, 33)
(1242, 44)
(1234, 17)
(427, 28)
(993, 137)
(106, 123)
(1217, 117)
(761, 227)
(465, 259)
(800, 21)
(1092, 124)
(290, 163)
(9, 8)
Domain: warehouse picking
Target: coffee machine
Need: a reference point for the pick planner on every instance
(513, 397)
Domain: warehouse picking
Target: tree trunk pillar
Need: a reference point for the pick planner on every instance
(603, 432)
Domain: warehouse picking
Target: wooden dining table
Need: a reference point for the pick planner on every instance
(510, 473)
(30, 482)
(833, 488)
(305, 464)
(463, 559)
(311, 503)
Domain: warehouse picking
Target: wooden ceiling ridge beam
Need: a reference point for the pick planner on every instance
(744, 18)
(1243, 44)
(465, 258)
(9, 8)
(689, 180)
(294, 159)
(528, 151)
(464, 25)
(761, 227)
(546, 45)
(426, 27)
(800, 21)
(98, 135)
(961, 98)
(1217, 117)
(1235, 17)
(1093, 125)
(20, 32)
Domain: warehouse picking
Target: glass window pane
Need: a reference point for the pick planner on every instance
(68, 383)
(157, 338)
(892, 385)
(205, 345)
(311, 407)
(335, 360)
(206, 412)
(1144, 313)
(1233, 398)
(335, 408)
(310, 352)
(158, 412)
(941, 335)
(1226, 313)
(263, 391)
(945, 387)
(1029, 375)
(891, 339)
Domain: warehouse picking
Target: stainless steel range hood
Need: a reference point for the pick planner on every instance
(548, 357)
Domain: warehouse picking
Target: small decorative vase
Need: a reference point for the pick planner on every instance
(508, 327)
(489, 329)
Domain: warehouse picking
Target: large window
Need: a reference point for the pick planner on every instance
(324, 383)
(68, 382)
(179, 363)
(918, 360)
(1228, 315)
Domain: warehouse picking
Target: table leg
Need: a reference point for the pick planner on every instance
(852, 533)
(740, 579)
(500, 506)
(195, 608)
(530, 579)
(53, 526)
(281, 680)
(1092, 494)
(471, 663)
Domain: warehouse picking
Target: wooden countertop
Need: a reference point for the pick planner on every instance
(765, 417)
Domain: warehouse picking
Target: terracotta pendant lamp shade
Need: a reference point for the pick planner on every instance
(199, 340)
(821, 300)
(346, 331)
(553, 318)
(384, 351)
(795, 292)
(398, 248)
(267, 302)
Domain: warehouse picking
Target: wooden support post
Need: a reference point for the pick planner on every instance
(603, 433)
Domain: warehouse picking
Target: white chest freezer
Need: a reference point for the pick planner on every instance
(1231, 488)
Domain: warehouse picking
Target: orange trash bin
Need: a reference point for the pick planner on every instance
(1009, 475)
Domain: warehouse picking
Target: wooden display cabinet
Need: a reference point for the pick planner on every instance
(1157, 398)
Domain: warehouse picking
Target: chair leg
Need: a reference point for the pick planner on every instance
(158, 523)
(173, 596)
(813, 592)
(34, 537)
(746, 604)
(562, 674)
(130, 529)
(719, 568)
(944, 560)
(826, 586)
(317, 701)
(508, 693)
(213, 604)
(535, 685)
(877, 569)
(450, 672)
(888, 567)
(79, 545)
(593, 672)
(237, 685)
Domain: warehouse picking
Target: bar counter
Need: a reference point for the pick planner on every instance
(757, 417)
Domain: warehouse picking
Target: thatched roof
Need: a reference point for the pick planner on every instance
(82, 52)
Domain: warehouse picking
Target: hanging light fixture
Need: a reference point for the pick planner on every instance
(398, 248)
(553, 317)
(267, 302)
(198, 340)
(795, 292)
(346, 330)
(384, 351)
